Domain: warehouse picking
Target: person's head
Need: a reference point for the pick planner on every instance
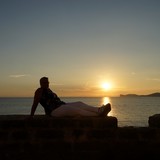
(44, 83)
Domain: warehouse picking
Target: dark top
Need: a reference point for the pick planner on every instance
(50, 101)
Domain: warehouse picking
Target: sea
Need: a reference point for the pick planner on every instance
(130, 111)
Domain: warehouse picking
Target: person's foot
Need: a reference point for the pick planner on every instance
(104, 110)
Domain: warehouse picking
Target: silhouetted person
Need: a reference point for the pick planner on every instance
(53, 105)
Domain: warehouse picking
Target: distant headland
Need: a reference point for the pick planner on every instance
(157, 94)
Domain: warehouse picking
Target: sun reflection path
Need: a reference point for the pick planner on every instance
(106, 100)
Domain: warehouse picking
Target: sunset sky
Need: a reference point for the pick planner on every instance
(80, 45)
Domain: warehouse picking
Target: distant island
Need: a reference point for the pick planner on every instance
(157, 94)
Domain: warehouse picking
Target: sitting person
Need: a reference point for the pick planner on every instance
(53, 105)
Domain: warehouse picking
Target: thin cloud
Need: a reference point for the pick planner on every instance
(153, 79)
(19, 75)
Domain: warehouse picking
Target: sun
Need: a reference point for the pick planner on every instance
(106, 86)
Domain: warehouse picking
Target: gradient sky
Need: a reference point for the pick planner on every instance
(79, 44)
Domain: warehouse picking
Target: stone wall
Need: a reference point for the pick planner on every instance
(75, 139)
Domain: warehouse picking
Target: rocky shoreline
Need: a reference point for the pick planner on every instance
(75, 138)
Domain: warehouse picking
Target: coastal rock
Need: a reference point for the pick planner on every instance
(154, 120)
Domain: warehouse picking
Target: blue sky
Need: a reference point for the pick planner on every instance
(79, 44)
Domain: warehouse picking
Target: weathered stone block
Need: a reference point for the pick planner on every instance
(19, 135)
(154, 121)
(75, 138)
(50, 134)
(102, 134)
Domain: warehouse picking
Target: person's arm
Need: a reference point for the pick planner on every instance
(35, 102)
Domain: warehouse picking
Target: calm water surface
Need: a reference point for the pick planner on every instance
(130, 111)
